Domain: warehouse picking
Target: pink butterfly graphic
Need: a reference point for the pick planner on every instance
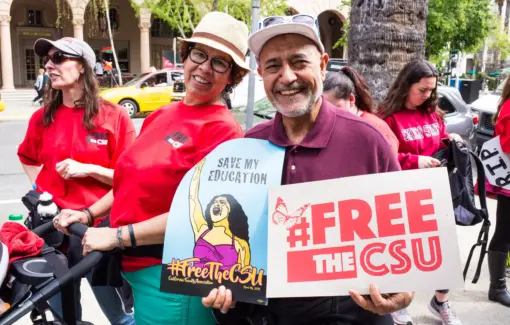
(281, 214)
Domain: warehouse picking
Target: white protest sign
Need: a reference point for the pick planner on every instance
(395, 230)
(496, 163)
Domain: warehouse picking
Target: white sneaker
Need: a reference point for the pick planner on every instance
(402, 317)
(444, 312)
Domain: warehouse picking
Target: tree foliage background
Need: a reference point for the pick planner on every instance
(457, 24)
(184, 15)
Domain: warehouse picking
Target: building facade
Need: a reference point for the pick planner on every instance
(140, 42)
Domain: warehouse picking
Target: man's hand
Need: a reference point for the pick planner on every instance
(71, 168)
(219, 299)
(380, 305)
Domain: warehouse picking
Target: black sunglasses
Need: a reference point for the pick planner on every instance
(217, 64)
(59, 57)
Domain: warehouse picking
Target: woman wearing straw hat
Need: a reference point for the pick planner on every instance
(172, 140)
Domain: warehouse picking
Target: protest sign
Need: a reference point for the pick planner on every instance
(496, 163)
(217, 226)
(395, 230)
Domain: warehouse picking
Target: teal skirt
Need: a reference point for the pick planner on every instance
(153, 307)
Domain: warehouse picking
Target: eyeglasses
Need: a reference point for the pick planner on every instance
(59, 57)
(217, 64)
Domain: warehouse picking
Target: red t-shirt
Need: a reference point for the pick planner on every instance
(419, 133)
(502, 129)
(172, 140)
(384, 129)
(66, 138)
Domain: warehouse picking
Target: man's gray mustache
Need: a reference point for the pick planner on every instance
(291, 86)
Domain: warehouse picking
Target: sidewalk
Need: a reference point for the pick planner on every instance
(18, 110)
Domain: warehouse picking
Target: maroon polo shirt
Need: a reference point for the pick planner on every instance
(340, 144)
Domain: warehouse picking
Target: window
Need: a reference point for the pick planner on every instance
(114, 20)
(34, 18)
(446, 105)
(159, 28)
(160, 79)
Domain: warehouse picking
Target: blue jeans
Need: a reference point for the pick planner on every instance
(108, 299)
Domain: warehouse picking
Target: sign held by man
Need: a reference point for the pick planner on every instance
(395, 230)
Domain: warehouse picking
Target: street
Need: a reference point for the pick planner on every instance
(471, 304)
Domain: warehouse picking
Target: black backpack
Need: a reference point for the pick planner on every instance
(458, 160)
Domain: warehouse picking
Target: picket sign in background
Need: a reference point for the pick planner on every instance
(496, 163)
(293, 272)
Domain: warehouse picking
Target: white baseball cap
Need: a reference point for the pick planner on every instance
(271, 27)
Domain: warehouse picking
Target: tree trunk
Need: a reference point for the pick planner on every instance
(214, 5)
(496, 66)
(507, 15)
(384, 36)
(107, 13)
(507, 20)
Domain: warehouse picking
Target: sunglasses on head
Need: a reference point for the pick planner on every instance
(299, 19)
(58, 57)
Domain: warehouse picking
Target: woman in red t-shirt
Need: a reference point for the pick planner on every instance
(72, 145)
(172, 141)
(500, 242)
(347, 89)
(411, 111)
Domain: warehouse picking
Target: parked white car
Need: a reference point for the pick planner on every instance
(486, 106)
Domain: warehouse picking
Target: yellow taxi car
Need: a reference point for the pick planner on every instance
(146, 93)
(2, 104)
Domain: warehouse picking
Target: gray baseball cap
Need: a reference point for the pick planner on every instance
(68, 45)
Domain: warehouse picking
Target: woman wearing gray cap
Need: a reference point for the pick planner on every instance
(72, 145)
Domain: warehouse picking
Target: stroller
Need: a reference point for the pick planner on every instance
(30, 282)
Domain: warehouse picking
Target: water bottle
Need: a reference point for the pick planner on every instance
(46, 209)
(16, 217)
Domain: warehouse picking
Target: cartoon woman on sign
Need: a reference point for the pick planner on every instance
(221, 235)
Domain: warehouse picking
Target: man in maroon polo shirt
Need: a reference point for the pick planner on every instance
(322, 142)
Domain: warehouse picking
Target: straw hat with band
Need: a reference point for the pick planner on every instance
(223, 33)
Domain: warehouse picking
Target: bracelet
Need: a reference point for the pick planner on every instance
(132, 236)
(119, 238)
(89, 216)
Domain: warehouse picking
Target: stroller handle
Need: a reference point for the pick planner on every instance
(52, 288)
(77, 229)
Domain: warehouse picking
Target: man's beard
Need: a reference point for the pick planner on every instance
(313, 97)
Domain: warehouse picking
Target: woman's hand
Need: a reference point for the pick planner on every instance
(220, 298)
(382, 305)
(455, 137)
(99, 239)
(71, 168)
(67, 217)
(428, 162)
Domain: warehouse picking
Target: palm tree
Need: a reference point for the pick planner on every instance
(384, 36)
